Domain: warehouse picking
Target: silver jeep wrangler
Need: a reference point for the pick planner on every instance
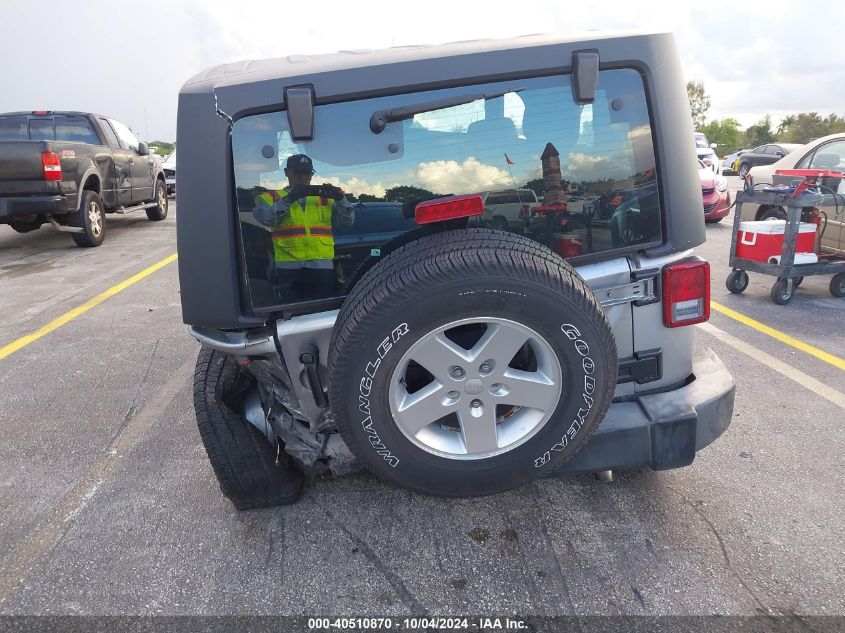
(359, 307)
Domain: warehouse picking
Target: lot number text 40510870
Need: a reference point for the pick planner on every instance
(417, 624)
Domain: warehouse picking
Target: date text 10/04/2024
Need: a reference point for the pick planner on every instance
(417, 624)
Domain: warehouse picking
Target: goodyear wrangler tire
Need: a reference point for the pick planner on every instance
(243, 461)
(468, 362)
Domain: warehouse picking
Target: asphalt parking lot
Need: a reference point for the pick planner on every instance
(108, 504)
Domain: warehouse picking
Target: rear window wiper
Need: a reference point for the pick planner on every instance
(381, 118)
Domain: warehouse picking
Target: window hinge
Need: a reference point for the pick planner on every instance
(641, 291)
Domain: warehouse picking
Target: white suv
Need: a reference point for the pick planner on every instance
(707, 152)
(508, 208)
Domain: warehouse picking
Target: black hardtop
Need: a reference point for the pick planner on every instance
(210, 102)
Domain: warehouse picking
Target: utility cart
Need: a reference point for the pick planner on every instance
(752, 244)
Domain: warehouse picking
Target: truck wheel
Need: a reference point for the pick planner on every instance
(91, 218)
(837, 285)
(159, 212)
(468, 362)
(243, 461)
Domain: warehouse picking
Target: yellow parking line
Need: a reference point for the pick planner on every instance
(14, 346)
(780, 336)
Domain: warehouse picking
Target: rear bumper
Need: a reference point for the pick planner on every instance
(664, 430)
(29, 206)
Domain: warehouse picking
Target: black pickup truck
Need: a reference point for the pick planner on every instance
(70, 169)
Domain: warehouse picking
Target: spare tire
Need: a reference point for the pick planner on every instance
(468, 362)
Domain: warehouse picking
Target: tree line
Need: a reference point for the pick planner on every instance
(729, 137)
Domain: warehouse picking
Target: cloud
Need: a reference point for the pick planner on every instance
(750, 55)
(449, 176)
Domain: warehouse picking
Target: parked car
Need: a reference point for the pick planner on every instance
(714, 190)
(169, 166)
(763, 155)
(729, 159)
(706, 152)
(508, 208)
(70, 169)
(824, 153)
(464, 361)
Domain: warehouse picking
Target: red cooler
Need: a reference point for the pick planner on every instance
(761, 240)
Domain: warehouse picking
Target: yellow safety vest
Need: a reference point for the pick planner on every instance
(303, 234)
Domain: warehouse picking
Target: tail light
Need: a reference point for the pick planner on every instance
(686, 292)
(52, 166)
(448, 208)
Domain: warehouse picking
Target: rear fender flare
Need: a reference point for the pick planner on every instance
(91, 171)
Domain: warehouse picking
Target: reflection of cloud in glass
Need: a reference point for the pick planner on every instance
(276, 180)
(249, 174)
(579, 166)
(449, 176)
(357, 186)
(273, 180)
(643, 146)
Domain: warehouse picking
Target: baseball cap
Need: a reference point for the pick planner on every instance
(300, 163)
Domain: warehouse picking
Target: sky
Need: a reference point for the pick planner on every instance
(128, 60)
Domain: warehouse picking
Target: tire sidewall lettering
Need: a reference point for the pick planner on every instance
(365, 388)
(588, 388)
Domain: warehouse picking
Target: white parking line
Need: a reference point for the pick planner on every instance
(819, 388)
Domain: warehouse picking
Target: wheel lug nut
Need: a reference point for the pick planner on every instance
(486, 367)
(475, 404)
(457, 372)
(453, 394)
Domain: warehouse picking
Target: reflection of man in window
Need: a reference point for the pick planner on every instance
(302, 218)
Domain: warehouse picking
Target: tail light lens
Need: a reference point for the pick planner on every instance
(686, 292)
(448, 209)
(52, 166)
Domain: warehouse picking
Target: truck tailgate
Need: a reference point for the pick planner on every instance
(21, 160)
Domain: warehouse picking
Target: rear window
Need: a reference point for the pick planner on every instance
(14, 128)
(76, 129)
(578, 178)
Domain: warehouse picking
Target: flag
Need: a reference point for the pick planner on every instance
(508, 160)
